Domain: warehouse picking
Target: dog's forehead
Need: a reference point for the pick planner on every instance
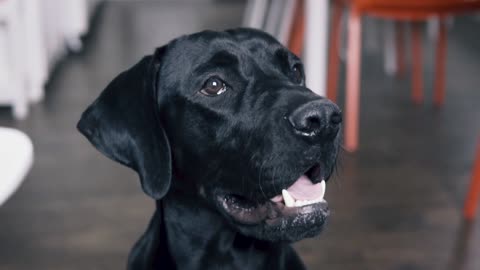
(243, 44)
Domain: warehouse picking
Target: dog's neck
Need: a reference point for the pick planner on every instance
(199, 238)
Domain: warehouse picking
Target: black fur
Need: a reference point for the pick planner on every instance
(213, 162)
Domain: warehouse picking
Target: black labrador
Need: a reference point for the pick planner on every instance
(231, 144)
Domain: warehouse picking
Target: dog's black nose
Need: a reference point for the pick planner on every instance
(316, 118)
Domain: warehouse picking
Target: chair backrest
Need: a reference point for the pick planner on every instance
(415, 9)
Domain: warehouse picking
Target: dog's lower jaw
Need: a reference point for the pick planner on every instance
(207, 241)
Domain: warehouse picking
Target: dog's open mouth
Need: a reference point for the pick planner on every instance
(303, 191)
(303, 197)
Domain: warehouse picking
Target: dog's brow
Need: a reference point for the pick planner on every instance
(284, 55)
(224, 57)
(220, 58)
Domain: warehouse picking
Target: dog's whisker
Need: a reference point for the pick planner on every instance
(260, 178)
(274, 182)
(338, 164)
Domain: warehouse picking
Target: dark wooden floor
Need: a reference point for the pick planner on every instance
(396, 202)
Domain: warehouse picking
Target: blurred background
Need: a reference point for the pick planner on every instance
(406, 74)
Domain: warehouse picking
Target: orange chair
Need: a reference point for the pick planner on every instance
(474, 189)
(413, 11)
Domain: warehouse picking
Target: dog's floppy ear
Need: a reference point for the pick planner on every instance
(124, 125)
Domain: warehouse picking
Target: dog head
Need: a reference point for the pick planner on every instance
(228, 116)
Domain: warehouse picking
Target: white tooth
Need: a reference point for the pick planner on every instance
(324, 188)
(303, 203)
(299, 203)
(287, 198)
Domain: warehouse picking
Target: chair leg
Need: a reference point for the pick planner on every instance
(417, 63)
(295, 43)
(389, 50)
(474, 189)
(441, 51)
(254, 14)
(333, 55)
(352, 103)
(15, 46)
(400, 48)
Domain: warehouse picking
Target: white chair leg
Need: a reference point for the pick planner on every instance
(75, 23)
(20, 110)
(390, 54)
(255, 13)
(286, 21)
(432, 28)
(35, 50)
(54, 21)
(316, 43)
(74, 43)
(274, 17)
(16, 86)
(371, 34)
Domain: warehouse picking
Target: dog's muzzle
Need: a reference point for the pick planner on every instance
(299, 208)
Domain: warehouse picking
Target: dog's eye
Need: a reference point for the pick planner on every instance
(213, 87)
(297, 73)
